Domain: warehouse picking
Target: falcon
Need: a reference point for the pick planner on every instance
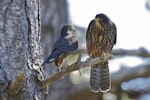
(100, 38)
(64, 46)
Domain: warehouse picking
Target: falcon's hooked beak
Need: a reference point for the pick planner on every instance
(97, 21)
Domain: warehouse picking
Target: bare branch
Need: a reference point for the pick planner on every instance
(126, 74)
(117, 78)
(76, 66)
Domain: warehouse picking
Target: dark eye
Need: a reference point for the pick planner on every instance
(100, 19)
(74, 30)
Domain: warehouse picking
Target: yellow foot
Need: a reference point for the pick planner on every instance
(60, 72)
(66, 65)
(59, 69)
(79, 57)
(106, 56)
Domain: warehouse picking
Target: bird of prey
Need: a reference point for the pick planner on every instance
(100, 38)
(64, 46)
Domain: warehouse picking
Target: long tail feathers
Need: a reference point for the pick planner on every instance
(100, 78)
(95, 79)
(105, 78)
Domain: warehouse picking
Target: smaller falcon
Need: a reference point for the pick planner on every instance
(64, 46)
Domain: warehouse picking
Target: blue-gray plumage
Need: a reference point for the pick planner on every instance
(64, 46)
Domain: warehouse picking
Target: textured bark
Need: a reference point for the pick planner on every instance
(20, 50)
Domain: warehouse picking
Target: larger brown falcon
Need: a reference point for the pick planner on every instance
(100, 39)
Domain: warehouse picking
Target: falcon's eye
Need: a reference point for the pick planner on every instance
(74, 30)
(100, 19)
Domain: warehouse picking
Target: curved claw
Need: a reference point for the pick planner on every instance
(79, 57)
(106, 56)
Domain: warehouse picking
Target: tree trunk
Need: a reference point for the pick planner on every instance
(20, 50)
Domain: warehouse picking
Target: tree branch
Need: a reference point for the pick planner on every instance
(75, 66)
(126, 73)
(140, 52)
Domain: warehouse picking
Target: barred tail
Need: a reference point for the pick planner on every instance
(95, 79)
(105, 77)
(100, 78)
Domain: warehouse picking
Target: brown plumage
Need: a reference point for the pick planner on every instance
(100, 39)
(59, 61)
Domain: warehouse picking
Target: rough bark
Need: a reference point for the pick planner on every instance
(20, 50)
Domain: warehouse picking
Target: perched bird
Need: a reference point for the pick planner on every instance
(64, 46)
(100, 39)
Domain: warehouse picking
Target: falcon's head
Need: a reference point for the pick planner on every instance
(67, 30)
(101, 18)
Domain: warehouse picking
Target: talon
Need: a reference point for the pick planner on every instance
(88, 59)
(103, 56)
(108, 56)
(79, 57)
(59, 69)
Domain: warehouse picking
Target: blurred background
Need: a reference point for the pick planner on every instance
(130, 66)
